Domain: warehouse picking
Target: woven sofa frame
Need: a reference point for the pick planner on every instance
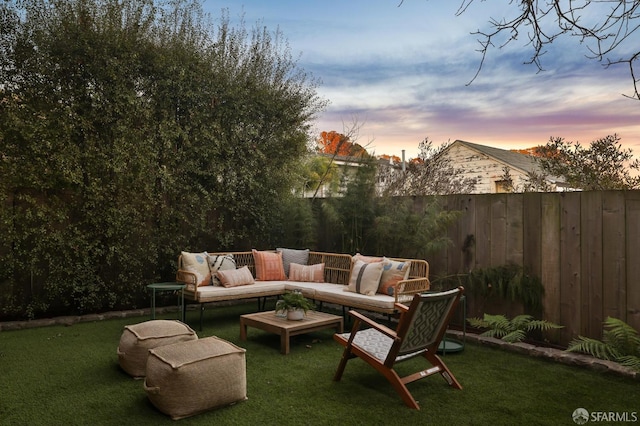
(336, 271)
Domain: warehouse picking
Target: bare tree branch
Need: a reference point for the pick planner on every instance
(602, 25)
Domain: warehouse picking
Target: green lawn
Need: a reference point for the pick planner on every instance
(70, 376)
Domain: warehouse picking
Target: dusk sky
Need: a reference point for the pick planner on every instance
(402, 74)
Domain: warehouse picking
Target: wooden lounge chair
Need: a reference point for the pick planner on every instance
(421, 327)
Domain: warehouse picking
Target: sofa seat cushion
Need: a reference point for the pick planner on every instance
(335, 293)
(257, 289)
(306, 288)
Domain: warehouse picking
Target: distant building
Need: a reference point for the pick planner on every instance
(484, 164)
(344, 167)
(487, 165)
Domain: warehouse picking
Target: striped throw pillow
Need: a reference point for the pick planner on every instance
(365, 277)
(235, 277)
(310, 273)
(268, 266)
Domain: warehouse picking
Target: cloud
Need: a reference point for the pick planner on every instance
(403, 74)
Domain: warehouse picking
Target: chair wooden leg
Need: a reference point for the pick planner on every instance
(343, 363)
(400, 388)
(201, 314)
(444, 370)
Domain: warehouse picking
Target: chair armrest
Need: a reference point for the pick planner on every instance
(361, 318)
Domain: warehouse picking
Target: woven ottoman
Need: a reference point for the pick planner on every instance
(189, 378)
(137, 339)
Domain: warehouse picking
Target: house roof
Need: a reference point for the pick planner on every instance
(522, 162)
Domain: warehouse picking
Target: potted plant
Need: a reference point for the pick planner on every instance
(294, 304)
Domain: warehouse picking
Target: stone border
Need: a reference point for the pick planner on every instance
(552, 354)
(75, 319)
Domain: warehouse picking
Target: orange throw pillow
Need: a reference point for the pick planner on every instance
(269, 266)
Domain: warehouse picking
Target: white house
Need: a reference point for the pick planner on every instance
(487, 165)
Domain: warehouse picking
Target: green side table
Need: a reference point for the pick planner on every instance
(157, 287)
(450, 345)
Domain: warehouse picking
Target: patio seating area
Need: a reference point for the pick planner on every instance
(70, 374)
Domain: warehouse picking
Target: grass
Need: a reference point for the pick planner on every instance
(70, 375)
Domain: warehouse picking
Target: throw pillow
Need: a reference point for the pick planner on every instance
(220, 262)
(365, 277)
(310, 273)
(235, 277)
(290, 256)
(366, 259)
(268, 266)
(197, 264)
(392, 272)
(389, 287)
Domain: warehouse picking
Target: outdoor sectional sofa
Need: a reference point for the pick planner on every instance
(334, 278)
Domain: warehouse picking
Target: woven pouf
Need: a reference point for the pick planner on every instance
(137, 339)
(192, 377)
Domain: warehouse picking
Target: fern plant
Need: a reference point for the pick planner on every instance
(512, 331)
(620, 343)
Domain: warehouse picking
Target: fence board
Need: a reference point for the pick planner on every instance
(483, 231)
(591, 263)
(550, 265)
(570, 267)
(454, 258)
(514, 227)
(632, 316)
(437, 261)
(614, 295)
(466, 234)
(498, 229)
(532, 232)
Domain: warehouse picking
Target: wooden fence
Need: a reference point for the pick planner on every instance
(585, 247)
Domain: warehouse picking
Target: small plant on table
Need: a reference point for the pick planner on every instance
(291, 302)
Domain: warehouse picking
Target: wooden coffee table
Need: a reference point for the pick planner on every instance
(268, 321)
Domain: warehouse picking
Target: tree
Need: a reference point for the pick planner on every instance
(334, 143)
(317, 171)
(431, 174)
(605, 27)
(131, 130)
(603, 165)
